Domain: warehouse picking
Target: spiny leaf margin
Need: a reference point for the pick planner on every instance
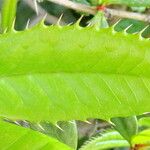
(106, 140)
(32, 69)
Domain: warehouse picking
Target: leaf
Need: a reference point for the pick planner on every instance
(127, 127)
(57, 76)
(66, 132)
(145, 121)
(99, 20)
(82, 1)
(142, 138)
(13, 137)
(8, 14)
(94, 2)
(136, 3)
(138, 9)
(108, 140)
(136, 27)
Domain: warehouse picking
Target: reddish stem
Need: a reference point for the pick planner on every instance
(101, 8)
(138, 146)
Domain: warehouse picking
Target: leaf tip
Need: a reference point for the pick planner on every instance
(59, 21)
(59, 127)
(77, 24)
(127, 28)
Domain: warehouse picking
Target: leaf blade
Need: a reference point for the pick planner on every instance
(8, 14)
(107, 140)
(15, 137)
(91, 75)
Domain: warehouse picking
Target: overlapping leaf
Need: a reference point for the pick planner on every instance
(13, 137)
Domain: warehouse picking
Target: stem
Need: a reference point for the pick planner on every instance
(75, 6)
(108, 11)
(134, 3)
(126, 14)
(42, 12)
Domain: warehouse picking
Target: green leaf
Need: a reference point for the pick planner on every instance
(137, 3)
(136, 27)
(145, 121)
(13, 137)
(107, 140)
(93, 2)
(58, 76)
(99, 21)
(142, 138)
(127, 127)
(138, 9)
(8, 14)
(82, 1)
(65, 132)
